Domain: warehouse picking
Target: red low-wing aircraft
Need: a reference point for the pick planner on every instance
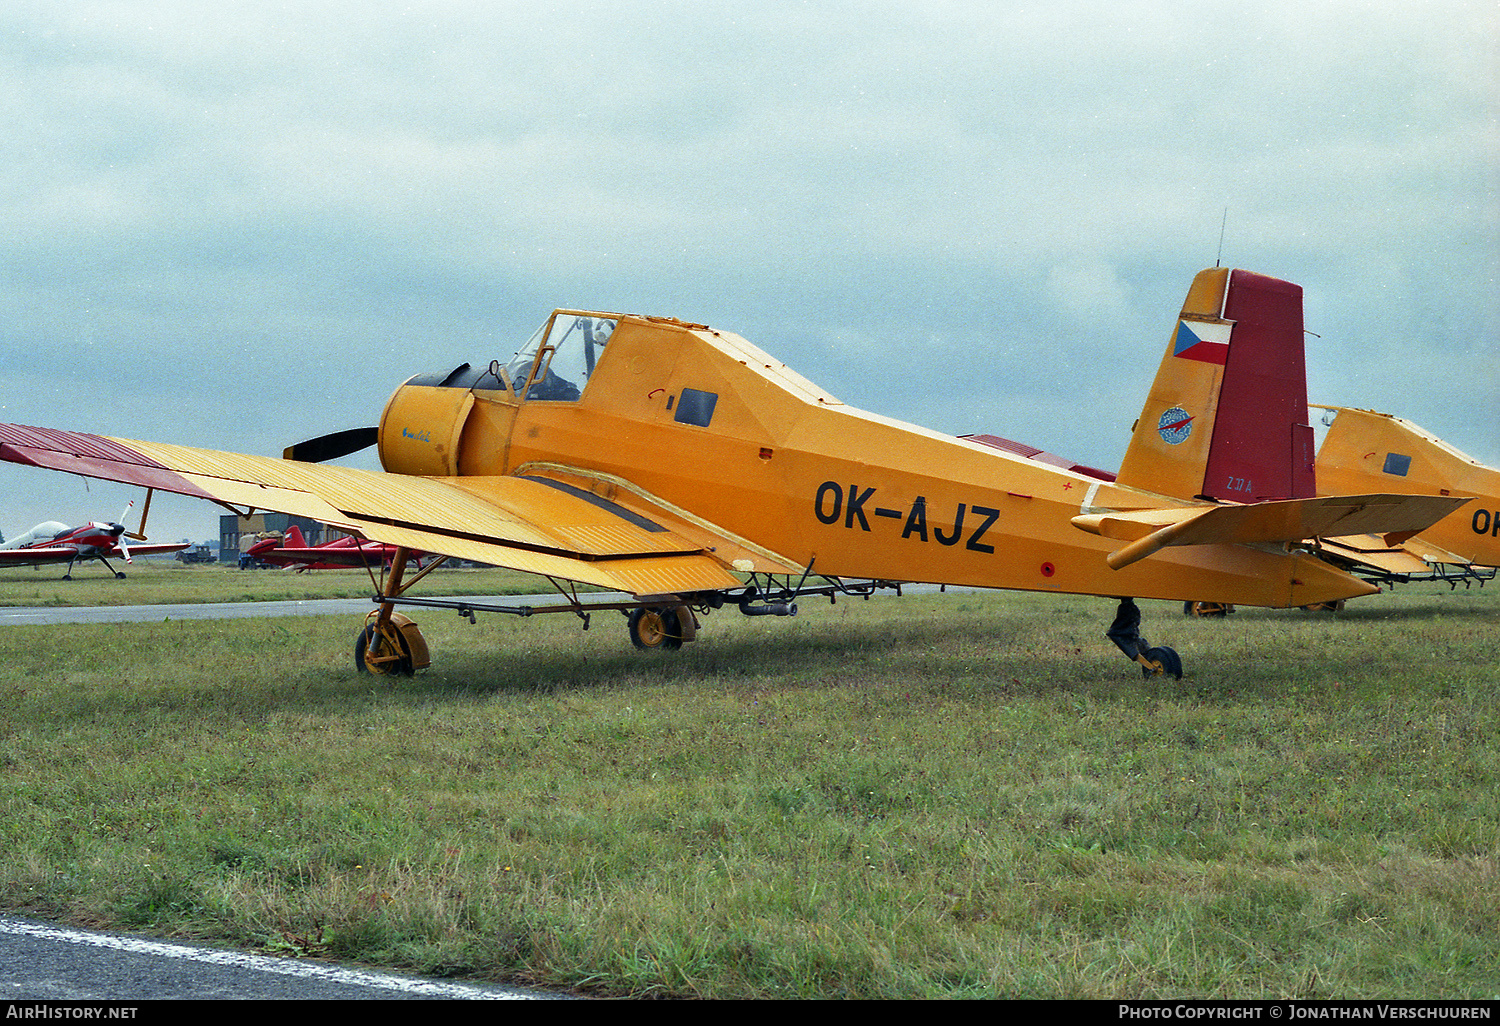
(340, 554)
(53, 542)
(688, 469)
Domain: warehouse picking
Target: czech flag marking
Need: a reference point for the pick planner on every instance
(1208, 343)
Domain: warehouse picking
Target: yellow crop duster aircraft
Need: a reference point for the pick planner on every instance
(687, 468)
(1368, 450)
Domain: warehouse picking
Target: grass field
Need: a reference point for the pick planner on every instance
(964, 795)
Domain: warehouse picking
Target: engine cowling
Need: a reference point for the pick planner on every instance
(421, 427)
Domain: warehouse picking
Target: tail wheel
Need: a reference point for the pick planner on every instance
(1162, 660)
(655, 629)
(392, 655)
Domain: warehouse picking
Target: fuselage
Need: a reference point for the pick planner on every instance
(88, 539)
(682, 419)
(41, 534)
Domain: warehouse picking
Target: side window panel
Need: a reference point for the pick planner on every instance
(695, 407)
(1397, 464)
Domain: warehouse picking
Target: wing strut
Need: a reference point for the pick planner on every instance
(140, 534)
(376, 631)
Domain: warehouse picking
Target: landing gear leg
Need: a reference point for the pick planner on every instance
(1125, 633)
(390, 643)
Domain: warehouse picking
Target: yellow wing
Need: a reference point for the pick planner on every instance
(533, 523)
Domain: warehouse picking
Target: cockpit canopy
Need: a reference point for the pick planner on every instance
(558, 360)
(554, 364)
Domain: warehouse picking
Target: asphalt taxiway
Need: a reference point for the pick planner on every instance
(44, 962)
(13, 616)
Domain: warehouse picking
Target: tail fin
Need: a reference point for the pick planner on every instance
(294, 538)
(1226, 416)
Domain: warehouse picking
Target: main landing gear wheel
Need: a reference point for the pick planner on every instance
(655, 629)
(1125, 633)
(392, 655)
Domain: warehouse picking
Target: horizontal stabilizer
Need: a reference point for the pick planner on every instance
(1287, 520)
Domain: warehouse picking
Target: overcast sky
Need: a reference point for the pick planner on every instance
(237, 225)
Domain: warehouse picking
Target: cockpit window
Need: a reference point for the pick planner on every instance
(571, 344)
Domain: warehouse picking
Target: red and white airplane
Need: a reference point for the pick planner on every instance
(53, 542)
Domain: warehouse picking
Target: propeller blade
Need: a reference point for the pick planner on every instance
(331, 447)
(118, 530)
